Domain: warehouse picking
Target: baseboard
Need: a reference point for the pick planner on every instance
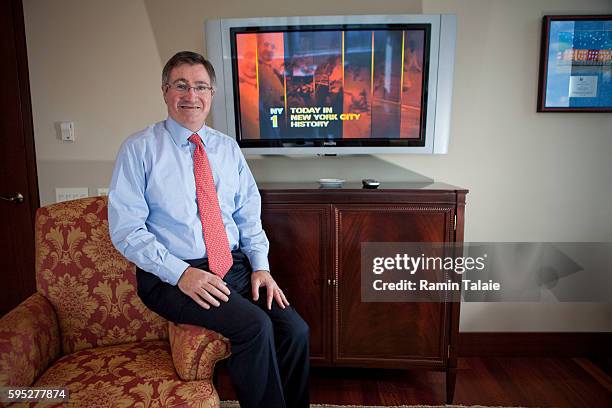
(535, 344)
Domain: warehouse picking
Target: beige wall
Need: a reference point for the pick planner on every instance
(532, 177)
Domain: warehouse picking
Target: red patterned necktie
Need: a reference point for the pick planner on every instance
(215, 237)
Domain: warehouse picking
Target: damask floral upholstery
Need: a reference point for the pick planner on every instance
(126, 375)
(29, 341)
(195, 351)
(115, 351)
(91, 286)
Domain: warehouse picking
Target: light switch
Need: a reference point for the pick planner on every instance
(67, 131)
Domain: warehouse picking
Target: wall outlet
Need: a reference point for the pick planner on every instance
(70, 193)
(102, 191)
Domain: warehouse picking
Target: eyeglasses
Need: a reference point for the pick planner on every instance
(198, 89)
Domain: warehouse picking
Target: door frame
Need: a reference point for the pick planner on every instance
(25, 105)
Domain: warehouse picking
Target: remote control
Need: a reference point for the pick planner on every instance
(370, 183)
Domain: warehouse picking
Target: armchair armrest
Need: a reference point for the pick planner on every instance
(196, 350)
(29, 341)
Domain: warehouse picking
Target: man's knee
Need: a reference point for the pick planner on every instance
(299, 331)
(258, 326)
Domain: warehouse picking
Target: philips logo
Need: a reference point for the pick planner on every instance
(329, 143)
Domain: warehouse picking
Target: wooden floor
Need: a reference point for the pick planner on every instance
(509, 381)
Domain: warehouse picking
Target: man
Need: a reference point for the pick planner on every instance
(270, 72)
(181, 198)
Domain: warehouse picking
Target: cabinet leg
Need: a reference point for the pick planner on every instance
(451, 377)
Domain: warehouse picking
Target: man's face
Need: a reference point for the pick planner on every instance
(267, 51)
(190, 108)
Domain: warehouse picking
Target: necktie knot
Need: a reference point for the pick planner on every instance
(195, 139)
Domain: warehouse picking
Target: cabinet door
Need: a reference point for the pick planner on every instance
(392, 334)
(299, 257)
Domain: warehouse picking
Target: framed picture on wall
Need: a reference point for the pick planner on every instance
(576, 64)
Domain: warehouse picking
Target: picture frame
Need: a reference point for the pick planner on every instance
(576, 64)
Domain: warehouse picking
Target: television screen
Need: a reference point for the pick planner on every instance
(330, 85)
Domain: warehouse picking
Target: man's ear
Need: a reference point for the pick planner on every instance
(164, 89)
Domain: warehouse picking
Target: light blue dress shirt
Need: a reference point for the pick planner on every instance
(152, 206)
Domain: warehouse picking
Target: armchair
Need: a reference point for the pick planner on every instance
(86, 329)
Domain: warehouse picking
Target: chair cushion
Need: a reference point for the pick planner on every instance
(127, 375)
(89, 283)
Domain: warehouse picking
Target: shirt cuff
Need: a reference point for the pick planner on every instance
(172, 269)
(259, 262)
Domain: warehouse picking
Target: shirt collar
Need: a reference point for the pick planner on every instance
(181, 135)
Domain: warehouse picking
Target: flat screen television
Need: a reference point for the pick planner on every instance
(334, 84)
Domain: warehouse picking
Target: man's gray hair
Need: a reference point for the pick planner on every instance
(190, 58)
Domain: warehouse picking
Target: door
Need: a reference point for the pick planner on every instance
(300, 255)
(18, 180)
(387, 334)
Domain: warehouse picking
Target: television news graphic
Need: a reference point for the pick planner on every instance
(334, 85)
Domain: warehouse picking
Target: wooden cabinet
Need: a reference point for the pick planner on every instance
(315, 242)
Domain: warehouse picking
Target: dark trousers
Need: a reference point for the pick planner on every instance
(269, 364)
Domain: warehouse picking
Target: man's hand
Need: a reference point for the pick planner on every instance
(203, 287)
(263, 278)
